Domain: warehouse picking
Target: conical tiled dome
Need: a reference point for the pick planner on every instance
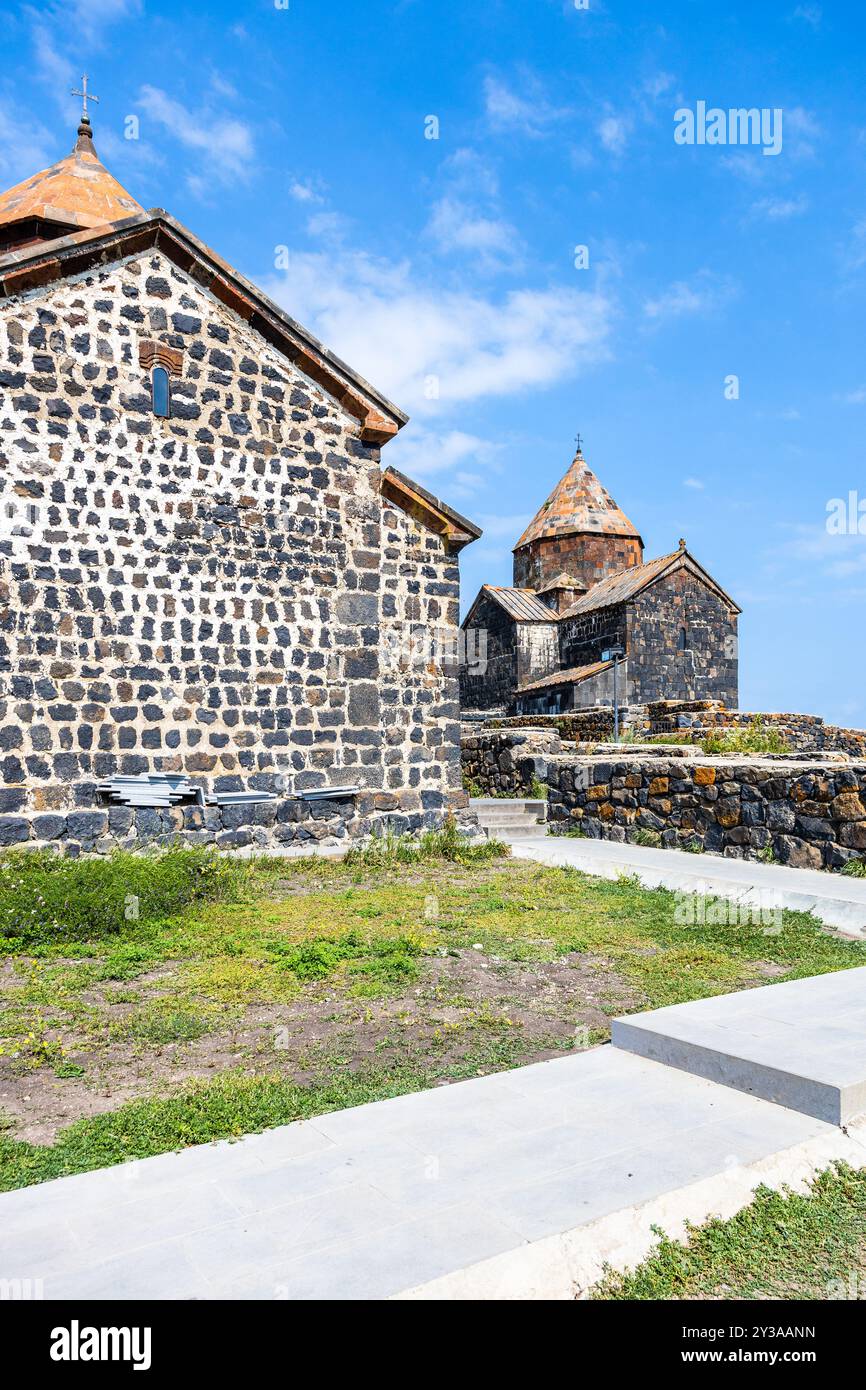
(579, 529)
(578, 503)
(75, 194)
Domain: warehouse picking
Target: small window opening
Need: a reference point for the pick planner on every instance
(160, 392)
(684, 640)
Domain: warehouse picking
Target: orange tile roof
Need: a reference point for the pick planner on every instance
(78, 191)
(628, 582)
(578, 503)
(561, 581)
(573, 676)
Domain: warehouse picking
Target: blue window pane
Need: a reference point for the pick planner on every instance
(161, 403)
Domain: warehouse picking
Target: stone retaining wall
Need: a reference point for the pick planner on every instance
(506, 762)
(802, 732)
(584, 726)
(269, 826)
(809, 814)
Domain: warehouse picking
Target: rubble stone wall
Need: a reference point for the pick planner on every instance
(222, 593)
(806, 813)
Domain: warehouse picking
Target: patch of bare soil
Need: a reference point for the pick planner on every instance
(465, 1005)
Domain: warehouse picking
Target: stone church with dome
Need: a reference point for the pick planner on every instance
(209, 584)
(584, 598)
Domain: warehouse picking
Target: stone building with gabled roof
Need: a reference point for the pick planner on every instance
(581, 588)
(205, 573)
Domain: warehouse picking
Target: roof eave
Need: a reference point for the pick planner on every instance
(32, 266)
(631, 535)
(431, 511)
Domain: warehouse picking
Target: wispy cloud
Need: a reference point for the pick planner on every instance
(304, 192)
(432, 348)
(224, 143)
(524, 109)
(25, 145)
(422, 452)
(693, 483)
(780, 209)
(703, 294)
(808, 14)
(467, 216)
(613, 132)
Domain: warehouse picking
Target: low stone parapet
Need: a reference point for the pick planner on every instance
(809, 813)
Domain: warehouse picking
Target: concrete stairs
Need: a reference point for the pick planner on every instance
(502, 818)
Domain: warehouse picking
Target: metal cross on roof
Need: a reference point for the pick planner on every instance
(85, 97)
(578, 441)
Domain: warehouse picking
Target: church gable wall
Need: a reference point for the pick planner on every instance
(658, 669)
(490, 684)
(208, 593)
(582, 639)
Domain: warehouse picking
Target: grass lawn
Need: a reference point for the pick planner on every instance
(150, 1004)
(783, 1246)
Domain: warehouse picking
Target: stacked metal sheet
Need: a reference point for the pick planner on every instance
(155, 789)
(326, 793)
(162, 789)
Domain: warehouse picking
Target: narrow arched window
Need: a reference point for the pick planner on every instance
(160, 392)
(684, 640)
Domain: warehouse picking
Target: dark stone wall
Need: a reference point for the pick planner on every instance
(494, 686)
(658, 669)
(582, 639)
(807, 814)
(507, 762)
(587, 557)
(221, 593)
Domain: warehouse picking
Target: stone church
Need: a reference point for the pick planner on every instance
(582, 589)
(208, 584)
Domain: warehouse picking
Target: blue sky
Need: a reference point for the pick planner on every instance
(304, 128)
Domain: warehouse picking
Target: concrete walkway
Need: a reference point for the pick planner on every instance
(523, 1184)
(835, 899)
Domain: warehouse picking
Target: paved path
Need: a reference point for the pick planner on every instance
(521, 1184)
(835, 899)
(801, 1043)
(375, 1201)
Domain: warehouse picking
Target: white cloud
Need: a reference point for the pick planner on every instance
(857, 397)
(414, 338)
(657, 84)
(613, 133)
(466, 218)
(328, 226)
(528, 112)
(224, 142)
(421, 452)
(800, 129)
(703, 295)
(780, 209)
(693, 483)
(456, 226)
(831, 557)
(304, 192)
(24, 148)
(809, 14)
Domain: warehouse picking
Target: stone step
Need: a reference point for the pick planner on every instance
(801, 1044)
(513, 813)
(520, 830)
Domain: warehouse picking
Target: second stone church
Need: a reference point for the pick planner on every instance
(583, 598)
